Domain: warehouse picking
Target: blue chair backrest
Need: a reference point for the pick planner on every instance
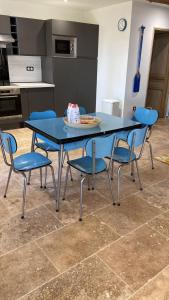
(82, 111)
(136, 137)
(39, 115)
(145, 116)
(103, 146)
(8, 142)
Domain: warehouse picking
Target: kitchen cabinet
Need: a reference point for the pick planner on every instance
(5, 25)
(87, 36)
(75, 82)
(36, 99)
(31, 36)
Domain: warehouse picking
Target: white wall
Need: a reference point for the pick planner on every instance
(113, 51)
(33, 10)
(152, 16)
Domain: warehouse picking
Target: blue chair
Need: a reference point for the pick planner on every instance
(148, 117)
(93, 163)
(82, 111)
(46, 145)
(22, 163)
(127, 156)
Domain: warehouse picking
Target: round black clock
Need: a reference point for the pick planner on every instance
(122, 24)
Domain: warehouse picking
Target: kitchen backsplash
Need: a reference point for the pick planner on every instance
(24, 68)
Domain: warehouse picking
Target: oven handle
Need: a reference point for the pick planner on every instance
(8, 97)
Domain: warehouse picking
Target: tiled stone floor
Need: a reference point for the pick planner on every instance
(115, 253)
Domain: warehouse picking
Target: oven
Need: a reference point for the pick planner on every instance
(10, 103)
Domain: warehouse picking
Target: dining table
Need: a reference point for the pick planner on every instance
(57, 131)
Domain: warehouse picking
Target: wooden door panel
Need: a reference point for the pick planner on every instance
(160, 57)
(159, 73)
(154, 98)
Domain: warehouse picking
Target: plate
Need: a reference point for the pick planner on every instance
(86, 122)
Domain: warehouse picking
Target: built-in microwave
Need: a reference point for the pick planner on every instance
(64, 46)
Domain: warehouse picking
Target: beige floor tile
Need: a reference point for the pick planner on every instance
(23, 270)
(133, 212)
(4, 213)
(72, 244)
(157, 289)
(69, 208)
(138, 257)
(90, 280)
(161, 224)
(153, 199)
(16, 232)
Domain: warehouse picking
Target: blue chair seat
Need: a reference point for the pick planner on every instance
(122, 155)
(122, 135)
(30, 161)
(51, 146)
(85, 164)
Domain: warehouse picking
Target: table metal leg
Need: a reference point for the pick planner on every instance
(60, 160)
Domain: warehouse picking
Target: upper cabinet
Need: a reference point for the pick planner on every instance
(87, 36)
(5, 25)
(31, 36)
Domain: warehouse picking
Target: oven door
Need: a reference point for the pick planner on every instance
(10, 105)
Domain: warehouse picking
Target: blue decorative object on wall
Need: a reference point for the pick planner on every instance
(136, 86)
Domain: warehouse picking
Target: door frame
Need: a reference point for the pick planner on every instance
(155, 29)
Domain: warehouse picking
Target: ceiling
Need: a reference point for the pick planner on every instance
(80, 4)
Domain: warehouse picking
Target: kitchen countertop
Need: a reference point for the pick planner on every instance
(27, 85)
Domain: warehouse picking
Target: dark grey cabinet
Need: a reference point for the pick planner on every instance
(36, 99)
(31, 36)
(75, 81)
(5, 25)
(87, 36)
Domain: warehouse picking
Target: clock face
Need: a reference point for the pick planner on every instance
(122, 24)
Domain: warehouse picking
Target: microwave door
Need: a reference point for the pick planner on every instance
(62, 47)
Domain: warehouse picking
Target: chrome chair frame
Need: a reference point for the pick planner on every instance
(131, 163)
(92, 176)
(12, 168)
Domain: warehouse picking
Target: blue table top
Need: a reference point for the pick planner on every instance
(57, 131)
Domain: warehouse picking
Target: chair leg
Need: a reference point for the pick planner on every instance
(88, 181)
(71, 177)
(141, 187)
(110, 185)
(118, 185)
(66, 180)
(54, 184)
(93, 182)
(24, 196)
(9, 176)
(132, 171)
(29, 178)
(46, 174)
(151, 154)
(112, 170)
(41, 178)
(81, 198)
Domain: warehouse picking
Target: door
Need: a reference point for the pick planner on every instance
(159, 74)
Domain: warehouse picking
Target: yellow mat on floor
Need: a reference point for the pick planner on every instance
(163, 158)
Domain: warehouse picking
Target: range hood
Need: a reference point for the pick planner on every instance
(5, 39)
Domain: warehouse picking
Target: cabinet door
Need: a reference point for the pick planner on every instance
(75, 81)
(87, 36)
(31, 36)
(5, 25)
(37, 99)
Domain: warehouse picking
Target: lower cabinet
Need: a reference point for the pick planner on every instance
(36, 99)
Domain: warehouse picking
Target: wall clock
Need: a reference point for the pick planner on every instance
(122, 24)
